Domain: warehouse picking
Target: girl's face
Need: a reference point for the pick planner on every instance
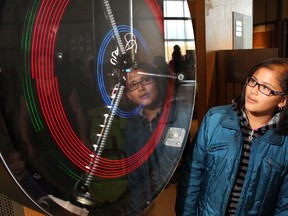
(258, 104)
(16, 163)
(142, 89)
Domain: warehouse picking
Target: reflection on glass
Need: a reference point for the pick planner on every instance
(144, 132)
(97, 117)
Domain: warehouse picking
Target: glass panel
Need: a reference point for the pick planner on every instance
(176, 9)
(178, 29)
(93, 118)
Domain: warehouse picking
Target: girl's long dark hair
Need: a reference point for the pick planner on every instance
(280, 66)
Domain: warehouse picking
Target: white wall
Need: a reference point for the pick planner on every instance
(219, 33)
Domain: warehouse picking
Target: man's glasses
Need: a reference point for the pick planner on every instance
(144, 81)
(263, 88)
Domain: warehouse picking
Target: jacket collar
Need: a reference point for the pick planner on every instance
(273, 138)
(230, 120)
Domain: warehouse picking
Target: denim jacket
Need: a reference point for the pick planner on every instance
(210, 168)
(146, 182)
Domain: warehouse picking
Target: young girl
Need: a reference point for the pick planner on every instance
(238, 164)
(145, 91)
(147, 88)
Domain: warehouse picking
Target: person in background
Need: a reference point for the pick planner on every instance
(16, 157)
(238, 163)
(176, 64)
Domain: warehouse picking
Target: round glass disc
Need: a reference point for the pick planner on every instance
(96, 102)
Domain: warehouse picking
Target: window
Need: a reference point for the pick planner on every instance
(178, 27)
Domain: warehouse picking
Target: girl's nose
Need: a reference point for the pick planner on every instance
(140, 86)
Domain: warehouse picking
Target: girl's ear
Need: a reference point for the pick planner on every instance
(129, 97)
(282, 103)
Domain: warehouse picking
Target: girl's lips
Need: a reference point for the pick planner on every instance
(250, 100)
(144, 96)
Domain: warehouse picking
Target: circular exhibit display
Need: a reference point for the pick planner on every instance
(95, 107)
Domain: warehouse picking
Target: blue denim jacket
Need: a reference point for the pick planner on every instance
(209, 170)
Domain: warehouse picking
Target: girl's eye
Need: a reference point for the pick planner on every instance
(252, 82)
(146, 80)
(132, 85)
